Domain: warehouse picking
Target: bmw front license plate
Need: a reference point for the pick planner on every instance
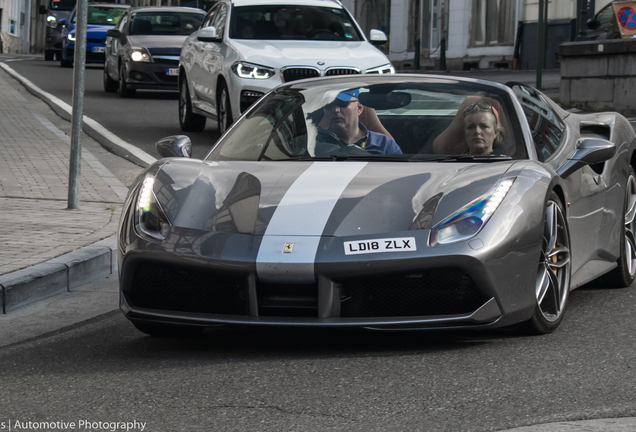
(98, 49)
(172, 72)
(400, 244)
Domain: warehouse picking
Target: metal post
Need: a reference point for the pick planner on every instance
(442, 42)
(416, 57)
(541, 42)
(78, 105)
(583, 26)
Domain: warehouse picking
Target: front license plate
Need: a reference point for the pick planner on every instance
(401, 244)
(172, 71)
(98, 49)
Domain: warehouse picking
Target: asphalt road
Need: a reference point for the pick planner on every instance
(140, 121)
(241, 379)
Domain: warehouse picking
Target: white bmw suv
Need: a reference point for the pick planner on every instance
(245, 48)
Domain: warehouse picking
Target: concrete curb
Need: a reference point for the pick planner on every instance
(58, 275)
(93, 129)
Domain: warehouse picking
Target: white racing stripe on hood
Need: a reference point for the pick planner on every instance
(300, 220)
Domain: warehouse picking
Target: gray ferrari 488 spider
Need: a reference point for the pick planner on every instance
(383, 202)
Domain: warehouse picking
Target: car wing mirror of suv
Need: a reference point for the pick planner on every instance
(207, 34)
(593, 24)
(377, 37)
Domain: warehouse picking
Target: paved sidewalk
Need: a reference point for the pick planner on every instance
(36, 225)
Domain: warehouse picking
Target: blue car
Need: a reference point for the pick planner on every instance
(101, 17)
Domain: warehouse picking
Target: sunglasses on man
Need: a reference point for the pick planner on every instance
(339, 103)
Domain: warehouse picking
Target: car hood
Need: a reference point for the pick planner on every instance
(93, 31)
(278, 54)
(320, 198)
(153, 41)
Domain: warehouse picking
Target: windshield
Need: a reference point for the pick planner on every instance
(165, 23)
(277, 22)
(103, 15)
(433, 120)
(62, 4)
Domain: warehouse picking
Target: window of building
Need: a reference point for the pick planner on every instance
(492, 22)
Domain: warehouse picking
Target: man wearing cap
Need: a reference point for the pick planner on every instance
(341, 118)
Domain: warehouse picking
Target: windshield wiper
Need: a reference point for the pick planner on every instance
(471, 158)
(338, 158)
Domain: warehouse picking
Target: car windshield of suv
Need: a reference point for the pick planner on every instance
(103, 15)
(165, 23)
(62, 4)
(379, 120)
(276, 22)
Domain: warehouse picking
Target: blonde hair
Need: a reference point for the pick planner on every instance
(486, 107)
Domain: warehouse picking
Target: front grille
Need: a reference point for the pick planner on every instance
(342, 71)
(169, 79)
(188, 290)
(293, 74)
(95, 56)
(287, 300)
(435, 292)
(166, 61)
(97, 41)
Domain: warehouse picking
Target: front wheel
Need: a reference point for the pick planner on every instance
(552, 287)
(623, 275)
(110, 85)
(49, 55)
(189, 121)
(66, 63)
(224, 110)
(123, 89)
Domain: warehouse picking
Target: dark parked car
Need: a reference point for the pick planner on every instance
(603, 25)
(305, 213)
(100, 18)
(142, 52)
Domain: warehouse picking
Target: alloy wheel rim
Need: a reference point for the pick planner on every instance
(630, 225)
(553, 277)
(223, 110)
(182, 103)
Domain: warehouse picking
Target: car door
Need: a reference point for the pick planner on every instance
(210, 61)
(586, 188)
(113, 48)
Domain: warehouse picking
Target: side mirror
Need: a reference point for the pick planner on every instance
(593, 24)
(114, 33)
(174, 146)
(377, 37)
(42, 10)
(207, 34)
(589, 151)
(61, 23)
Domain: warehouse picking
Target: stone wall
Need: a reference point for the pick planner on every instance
(599, 75)
(11, 44)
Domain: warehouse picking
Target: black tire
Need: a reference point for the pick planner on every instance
(623, 275)
(189, 121)
(166, 330)
(58, 55)
(110, 85)
(49, 55)
(223, 109)
(553, 277)
(123, 90)
(66, 63)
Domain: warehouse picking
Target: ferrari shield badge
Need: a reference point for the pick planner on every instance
(288, 248)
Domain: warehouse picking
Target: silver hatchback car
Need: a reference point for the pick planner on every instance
(245, 48)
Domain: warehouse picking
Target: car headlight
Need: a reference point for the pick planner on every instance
(150, 219)
(51, 21)
(384, 69)
(252, 71)
(140, 55)
(71, 37)
(468, 221)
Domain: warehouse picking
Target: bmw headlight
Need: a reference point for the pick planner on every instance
(252, 71)
(384, 69)
(51, 21)
(150, 219)
(140, 55)
(71, 37)
(468, 221)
